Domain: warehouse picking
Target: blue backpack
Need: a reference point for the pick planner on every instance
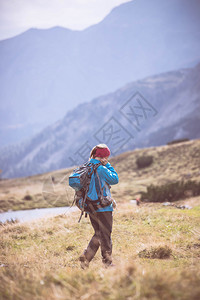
(80, 179)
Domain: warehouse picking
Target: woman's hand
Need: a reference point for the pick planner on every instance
(104, 161)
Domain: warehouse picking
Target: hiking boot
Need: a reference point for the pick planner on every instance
(84, 262)
(107, 260)
(109, 265)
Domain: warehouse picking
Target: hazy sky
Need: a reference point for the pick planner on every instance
(17, 16)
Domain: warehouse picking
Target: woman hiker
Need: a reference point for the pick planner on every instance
(101, 218)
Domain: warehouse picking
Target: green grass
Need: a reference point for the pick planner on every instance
(40, 259)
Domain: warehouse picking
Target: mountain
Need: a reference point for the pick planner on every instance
(45, 73)
(148, 112)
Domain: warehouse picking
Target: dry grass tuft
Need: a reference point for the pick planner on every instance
(160, 252)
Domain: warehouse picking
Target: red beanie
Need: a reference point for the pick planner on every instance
(102, 152)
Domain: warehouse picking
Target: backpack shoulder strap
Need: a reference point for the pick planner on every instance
(95, 166)
(101, 190)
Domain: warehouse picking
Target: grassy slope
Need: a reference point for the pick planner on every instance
(178, 161)
(40, 259)
(13, 191)
(171, 163)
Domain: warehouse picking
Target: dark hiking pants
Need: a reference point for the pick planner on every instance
(102, 224)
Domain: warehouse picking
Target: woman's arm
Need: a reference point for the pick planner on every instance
(109, 174)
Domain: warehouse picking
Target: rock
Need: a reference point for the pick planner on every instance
(184, 207)
(166, 204)
(133, 202)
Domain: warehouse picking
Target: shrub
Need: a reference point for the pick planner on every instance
(28, 197)
(144, 161)
(171, 191)
(177, 141)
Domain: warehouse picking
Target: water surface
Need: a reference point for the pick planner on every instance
(33, 214)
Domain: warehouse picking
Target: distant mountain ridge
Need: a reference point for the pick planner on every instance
(44, 73)
(173, 100)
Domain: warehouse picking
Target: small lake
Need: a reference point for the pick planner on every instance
(37, 213)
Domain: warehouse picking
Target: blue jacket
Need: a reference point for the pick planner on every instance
(108, 176)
